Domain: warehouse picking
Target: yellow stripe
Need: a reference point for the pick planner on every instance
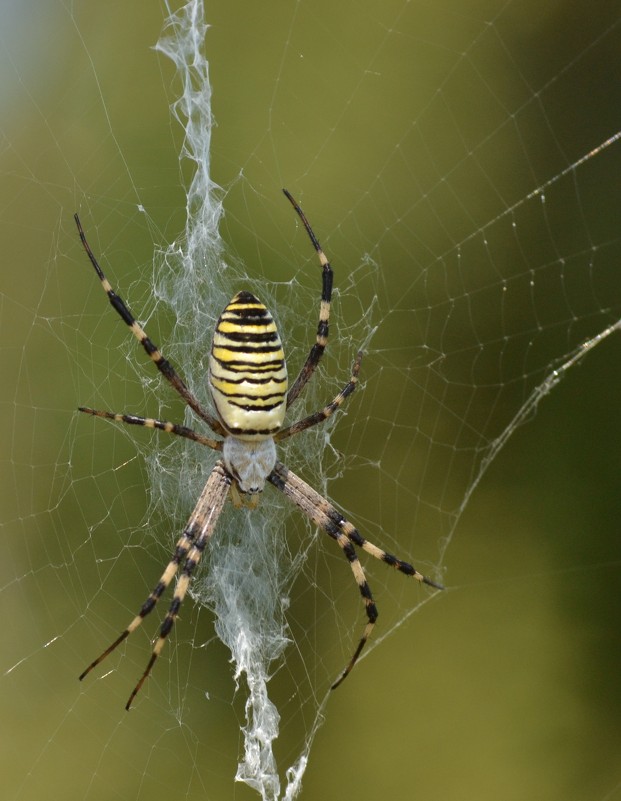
(251, 358)
(234, 306)
(249, 390)
(231, 327)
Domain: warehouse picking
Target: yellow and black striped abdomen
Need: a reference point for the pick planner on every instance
(247, 371)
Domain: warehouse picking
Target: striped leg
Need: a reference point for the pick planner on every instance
(151, 422)
(162, 364)
(189, 550)
(327, 411)
(316, 352)
(327, 517)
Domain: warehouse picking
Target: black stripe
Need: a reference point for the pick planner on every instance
(238, 364)
(245, 297)
(365, 591)
(251, 432)
(249, 336)
(355, 536)
(150, 602)
(252, 407)
(169, 622)
(255, 312)
(277, 480)
(239, 396)
(248, 348)
(119, 306)
(331, 529)
(248, 380)
(326, 288)
(248, 319)
(350, 553)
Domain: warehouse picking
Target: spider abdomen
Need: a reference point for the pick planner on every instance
(247, 371)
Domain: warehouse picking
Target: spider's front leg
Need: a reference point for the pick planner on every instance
(321, 339)
(153, 352)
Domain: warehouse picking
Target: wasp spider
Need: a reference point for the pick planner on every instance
(248, 382)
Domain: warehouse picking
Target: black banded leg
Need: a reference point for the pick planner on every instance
(328, 410)
(311, 503)
(406, 568)
(316, 352)
(151, 422)
(203, 520)
(190, 546)
(327, 517)
(162, 364)
(183, 546)
(192, 560)
(365, 591)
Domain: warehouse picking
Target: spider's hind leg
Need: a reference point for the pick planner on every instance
(327, 517)
(185, 558)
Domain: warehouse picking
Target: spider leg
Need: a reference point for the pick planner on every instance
(328, 410)
(162, 364)
(151, 422)
(327, 517)
(189, 550)
(316, 352)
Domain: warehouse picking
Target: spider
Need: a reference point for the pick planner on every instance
(248, 383)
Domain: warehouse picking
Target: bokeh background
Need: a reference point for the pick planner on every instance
(507, 687)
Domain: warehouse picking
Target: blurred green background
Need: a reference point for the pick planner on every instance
(407, 130)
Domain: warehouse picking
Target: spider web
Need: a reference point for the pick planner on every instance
(460, 166)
